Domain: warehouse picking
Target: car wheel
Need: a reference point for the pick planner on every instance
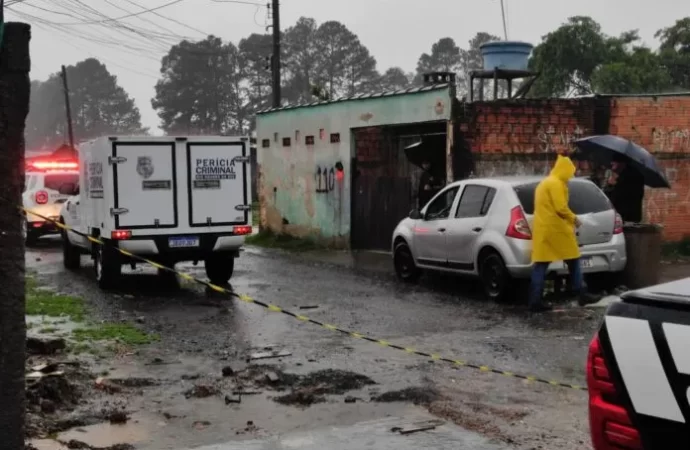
(71, 255)
(405, 267)
(219, 268)
(495, 278)
(107, 267)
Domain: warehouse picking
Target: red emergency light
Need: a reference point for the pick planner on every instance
(53, 165)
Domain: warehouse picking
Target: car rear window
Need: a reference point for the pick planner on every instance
(585, 198)
(55, 181)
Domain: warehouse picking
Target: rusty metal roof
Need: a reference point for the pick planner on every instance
(412, 90)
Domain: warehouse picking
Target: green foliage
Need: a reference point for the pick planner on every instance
(100, 106)
(675, 52)
(41, 302)
(122, 333)
(639, 72)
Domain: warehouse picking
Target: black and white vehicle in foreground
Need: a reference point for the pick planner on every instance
(169, 199)
(638, 371)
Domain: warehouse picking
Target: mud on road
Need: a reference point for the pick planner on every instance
(206, 377)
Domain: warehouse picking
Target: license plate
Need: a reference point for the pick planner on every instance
(183, 242)
(586, 263)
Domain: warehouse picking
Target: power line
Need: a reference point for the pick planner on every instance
(115, 19)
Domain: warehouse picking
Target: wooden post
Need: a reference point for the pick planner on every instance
(14, 98)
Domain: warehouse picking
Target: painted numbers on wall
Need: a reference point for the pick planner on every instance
(325, 179)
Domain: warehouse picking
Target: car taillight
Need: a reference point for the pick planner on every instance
(618, 224)
(120, 235)
(41, 197)
(610, 425)
(242, 229)
(518, 227)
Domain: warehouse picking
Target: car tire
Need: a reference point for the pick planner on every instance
(403, 261)
(71, 255)
(494, 276)
(107, 266)
(219, 268)
(602, 282)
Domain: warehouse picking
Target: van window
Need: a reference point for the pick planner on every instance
(55, 181)
(585, 198)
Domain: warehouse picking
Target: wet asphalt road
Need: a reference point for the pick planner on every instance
(201, 333)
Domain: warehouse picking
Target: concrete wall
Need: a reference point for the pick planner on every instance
(299, 191)
(521, 137)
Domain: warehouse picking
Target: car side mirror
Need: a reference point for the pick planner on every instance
(69, 189)
(415, 214)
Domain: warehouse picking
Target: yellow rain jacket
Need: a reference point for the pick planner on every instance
(553, 228)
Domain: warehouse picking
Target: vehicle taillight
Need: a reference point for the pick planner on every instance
(242, 229)
(610, 425)
(518, 227)
(53, 165)
(618, 224)
(120, 235)
(41, 197)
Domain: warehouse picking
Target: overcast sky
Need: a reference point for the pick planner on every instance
(395, 31)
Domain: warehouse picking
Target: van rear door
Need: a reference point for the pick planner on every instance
(217, 183)
(144, 174)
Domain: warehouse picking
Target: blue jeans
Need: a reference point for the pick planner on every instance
(539, 269)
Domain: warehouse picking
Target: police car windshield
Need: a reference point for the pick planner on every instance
(54, 181)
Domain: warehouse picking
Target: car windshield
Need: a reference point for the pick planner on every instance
(57, 180)
(585, 198)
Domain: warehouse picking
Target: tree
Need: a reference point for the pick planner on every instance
(300, 60)
(568, 57)
(445, 56)
(14, 97)
(200, 90)
(675, 52)
(639, 72)
(255, 52)
(393, 79)
(360, 70)
(99, 107)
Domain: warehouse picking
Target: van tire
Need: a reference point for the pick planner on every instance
(494, 276)
(71, 255)
(219, 268)
(107, 265)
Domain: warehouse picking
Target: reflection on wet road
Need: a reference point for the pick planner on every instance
(201, 333)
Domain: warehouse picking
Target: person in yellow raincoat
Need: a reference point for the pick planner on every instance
(553, 234)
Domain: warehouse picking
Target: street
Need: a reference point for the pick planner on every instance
(328, 390)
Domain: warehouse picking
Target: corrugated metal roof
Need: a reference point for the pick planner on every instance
(664, 94)
(412, 90)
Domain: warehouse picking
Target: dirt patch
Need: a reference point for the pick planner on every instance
(416, 395)
(509, 415)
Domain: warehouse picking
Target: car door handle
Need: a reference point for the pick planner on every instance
(442, 230)
(477, 229)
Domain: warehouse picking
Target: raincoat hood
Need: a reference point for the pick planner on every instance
(564, 169)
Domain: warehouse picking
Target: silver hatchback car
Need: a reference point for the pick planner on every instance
(482, 227)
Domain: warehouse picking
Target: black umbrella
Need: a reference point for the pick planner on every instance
(430, 149)
(602, 150)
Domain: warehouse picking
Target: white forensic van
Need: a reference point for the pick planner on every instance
(169, 199)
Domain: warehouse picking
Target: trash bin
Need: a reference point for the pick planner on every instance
(643, 248)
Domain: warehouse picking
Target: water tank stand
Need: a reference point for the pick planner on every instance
(502, 74)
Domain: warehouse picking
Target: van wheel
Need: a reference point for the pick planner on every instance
(71, 255)
(30, 237)
(405, 267)
(494, 276)
(107, 266)
(219, 268)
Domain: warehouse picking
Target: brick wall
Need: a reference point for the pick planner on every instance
(521, 137)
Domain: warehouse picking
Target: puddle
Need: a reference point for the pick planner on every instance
(137, 430)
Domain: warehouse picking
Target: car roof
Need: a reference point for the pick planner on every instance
(511, 180)
(674, 292)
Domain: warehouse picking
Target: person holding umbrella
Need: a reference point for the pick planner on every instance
(429, 185)
(625, 189)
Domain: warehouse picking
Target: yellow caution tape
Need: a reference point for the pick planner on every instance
(277, 309)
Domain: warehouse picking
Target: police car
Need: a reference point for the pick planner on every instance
(43, 182)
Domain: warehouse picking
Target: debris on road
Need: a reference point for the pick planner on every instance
(201, 424)
(418, 426)
(228, 371)
(417, 395)
(309, 307)
(267, 355)
(107, 386)
(229, 400)
(201, 391)
(243, 392)
(133, 382)
(350, 399)
(117, 417)
(272, 377)
(43, 345)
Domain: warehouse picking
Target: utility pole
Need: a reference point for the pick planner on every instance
(275, 60)
(68, 109)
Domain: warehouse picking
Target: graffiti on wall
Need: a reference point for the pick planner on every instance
(671, 140)
(545, 139)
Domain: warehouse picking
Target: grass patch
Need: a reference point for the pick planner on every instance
(256, 214)
(41, 302)
(269, 239)
(123, 333)
(676, 250)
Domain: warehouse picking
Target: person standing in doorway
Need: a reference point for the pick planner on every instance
(553, 235)
(429, 185)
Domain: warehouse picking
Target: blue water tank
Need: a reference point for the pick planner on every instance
(507, 55)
